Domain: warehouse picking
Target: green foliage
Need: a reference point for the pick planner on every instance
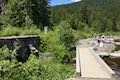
(38, 11)
(30, 31)
(66, 35)
(15, 31)
(9, 31)
(51, 43)
(81, 35)
(4, 53)
(21, 13)
(112, 33)
(87, 15)
(60, 42)
(34, 69)
(14, 13)
(97, 26)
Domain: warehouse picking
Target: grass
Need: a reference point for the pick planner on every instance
(15, 31)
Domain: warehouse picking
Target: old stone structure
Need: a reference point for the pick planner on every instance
(28, 44)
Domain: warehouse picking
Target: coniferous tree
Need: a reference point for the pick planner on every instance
(38, 12)
(14, 13)
(84, 14)
(25, 13)
(114, 25)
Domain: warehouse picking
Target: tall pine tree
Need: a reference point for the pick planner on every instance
(25, 12)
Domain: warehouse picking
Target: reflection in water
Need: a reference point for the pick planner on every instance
(114, 63)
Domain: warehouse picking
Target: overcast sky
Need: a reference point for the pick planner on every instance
(58, 2)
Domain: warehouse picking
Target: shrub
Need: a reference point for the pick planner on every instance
(6, 54)
(14, 31)
(66, 35)
(10, 31)
(34, 69)
(30, 31)
(59, 42)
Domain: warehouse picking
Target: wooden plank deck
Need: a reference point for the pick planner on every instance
(92, 67)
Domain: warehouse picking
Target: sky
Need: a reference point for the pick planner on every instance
(59, 2)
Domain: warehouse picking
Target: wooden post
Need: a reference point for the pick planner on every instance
(78, 67)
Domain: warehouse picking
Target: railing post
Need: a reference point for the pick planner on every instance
(78, 67)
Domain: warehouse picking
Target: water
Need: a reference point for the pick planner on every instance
(114, 63)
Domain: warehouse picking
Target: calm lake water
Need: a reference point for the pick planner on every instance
(114, 63)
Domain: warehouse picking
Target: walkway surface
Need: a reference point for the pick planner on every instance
(90, 66)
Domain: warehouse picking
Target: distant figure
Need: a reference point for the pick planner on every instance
(103, 39)
(94, 36)
(101, 44)
(98, 41)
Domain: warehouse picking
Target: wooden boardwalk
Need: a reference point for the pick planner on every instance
(90, 66)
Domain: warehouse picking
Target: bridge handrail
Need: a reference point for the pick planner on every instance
(102, 62)
(78, 68)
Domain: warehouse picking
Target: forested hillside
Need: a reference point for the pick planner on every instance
(95, 15)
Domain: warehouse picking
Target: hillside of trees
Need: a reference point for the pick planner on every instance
(89, 15)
